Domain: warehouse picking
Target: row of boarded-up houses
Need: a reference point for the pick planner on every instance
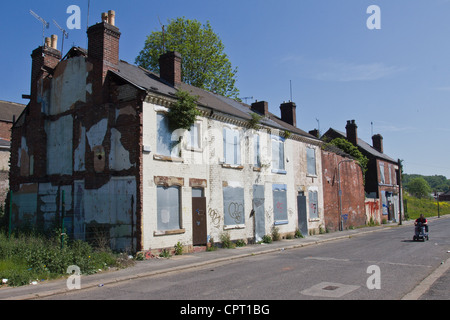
(93, 149)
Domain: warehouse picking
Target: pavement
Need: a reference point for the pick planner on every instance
(152, 267)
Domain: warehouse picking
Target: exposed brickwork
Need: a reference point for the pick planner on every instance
(352, 199)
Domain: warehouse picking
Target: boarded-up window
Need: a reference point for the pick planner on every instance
(313, 205)
(168, 206)
(279, 203)
(311, 161)
(256, 151)
(231, 146)
(194, 137)
(166, 144)
(233, 205)
(277, 154)
(382, 179)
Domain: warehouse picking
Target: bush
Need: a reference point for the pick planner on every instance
(267, 239)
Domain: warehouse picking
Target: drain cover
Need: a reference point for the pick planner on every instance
(331, 288)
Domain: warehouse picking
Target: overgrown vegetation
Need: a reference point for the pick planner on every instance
(30, 257)
(350, 149)
(225, 238)
(254, 122)
(184, 112)
(429, 207)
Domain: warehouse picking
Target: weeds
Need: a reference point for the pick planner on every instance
(25, 258)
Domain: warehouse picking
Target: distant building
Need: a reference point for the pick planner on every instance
(444, 196)
(8, 112)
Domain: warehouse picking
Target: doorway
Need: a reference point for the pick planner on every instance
(199, 226)
(258, 209)
(302, 213)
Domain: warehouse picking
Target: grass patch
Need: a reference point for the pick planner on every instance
(429, 207)
(25, 258)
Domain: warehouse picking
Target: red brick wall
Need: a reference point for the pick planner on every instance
(5, 130)
(353, 207)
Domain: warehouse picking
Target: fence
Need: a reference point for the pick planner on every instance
(101, 217)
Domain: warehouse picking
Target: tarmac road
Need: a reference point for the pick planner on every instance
(368, 263)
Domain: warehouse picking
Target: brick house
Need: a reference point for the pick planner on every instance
(382, 176)
(9, 111)
(444, 196)
(96, 133)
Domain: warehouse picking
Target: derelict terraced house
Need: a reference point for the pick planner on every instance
(382, 179)
(96, 136)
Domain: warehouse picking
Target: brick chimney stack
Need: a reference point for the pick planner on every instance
(103, 49)
(352, 132)
(288, 113)
(170, 67)
(377, 142)
(261, 107)
(43, 59)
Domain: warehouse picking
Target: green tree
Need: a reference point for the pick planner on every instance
(205, 65)
(419, 188)
(350, 149)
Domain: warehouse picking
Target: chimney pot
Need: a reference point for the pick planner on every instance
(54, 41)
(104, 17)
(112, 17)
(48, 42)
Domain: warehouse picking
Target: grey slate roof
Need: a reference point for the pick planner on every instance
(367, 147)
(10, 109)
(149, 81)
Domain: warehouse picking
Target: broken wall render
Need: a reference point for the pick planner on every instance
(73, 146)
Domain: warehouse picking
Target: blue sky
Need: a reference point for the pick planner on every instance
(397, 77)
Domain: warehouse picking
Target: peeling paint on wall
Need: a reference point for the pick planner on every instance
(59, 145)
(80, 151)
(69, 85)
(119, 158)
(96, 133)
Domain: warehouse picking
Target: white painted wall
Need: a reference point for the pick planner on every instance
(207, 163)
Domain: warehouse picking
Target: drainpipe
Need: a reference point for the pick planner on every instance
(341, 225)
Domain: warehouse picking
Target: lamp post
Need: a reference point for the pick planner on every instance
(341, 223)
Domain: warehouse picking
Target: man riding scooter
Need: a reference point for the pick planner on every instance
(421, 221)
(421, 228)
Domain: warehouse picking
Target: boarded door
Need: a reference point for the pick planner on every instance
(258, 208)
(302, 215)
(199, 221)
